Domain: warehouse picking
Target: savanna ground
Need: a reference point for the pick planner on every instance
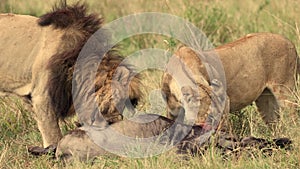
(222, 21)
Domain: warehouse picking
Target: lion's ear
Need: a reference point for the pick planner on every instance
(127, 78)
(122, 75)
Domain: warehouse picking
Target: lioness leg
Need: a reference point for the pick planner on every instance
(271, 101)
(268, 107)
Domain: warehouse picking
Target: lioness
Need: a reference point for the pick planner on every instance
(259, 67)
(37, 58)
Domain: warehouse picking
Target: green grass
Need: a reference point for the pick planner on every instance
(222, 21)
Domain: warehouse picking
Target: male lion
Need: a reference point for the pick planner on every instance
(37, 58)
(260, 67)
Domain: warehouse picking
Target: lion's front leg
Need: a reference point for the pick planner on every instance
(47, 120)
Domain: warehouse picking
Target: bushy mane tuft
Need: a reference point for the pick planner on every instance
(63, 16)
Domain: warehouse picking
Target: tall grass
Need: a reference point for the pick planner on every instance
(222, 21)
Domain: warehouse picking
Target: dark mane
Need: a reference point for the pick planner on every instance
(63, 16)
(78, 27)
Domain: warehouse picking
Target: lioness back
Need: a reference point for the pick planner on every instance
(254, 61)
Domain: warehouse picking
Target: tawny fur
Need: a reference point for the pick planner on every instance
(260, 67)
(37, 57)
